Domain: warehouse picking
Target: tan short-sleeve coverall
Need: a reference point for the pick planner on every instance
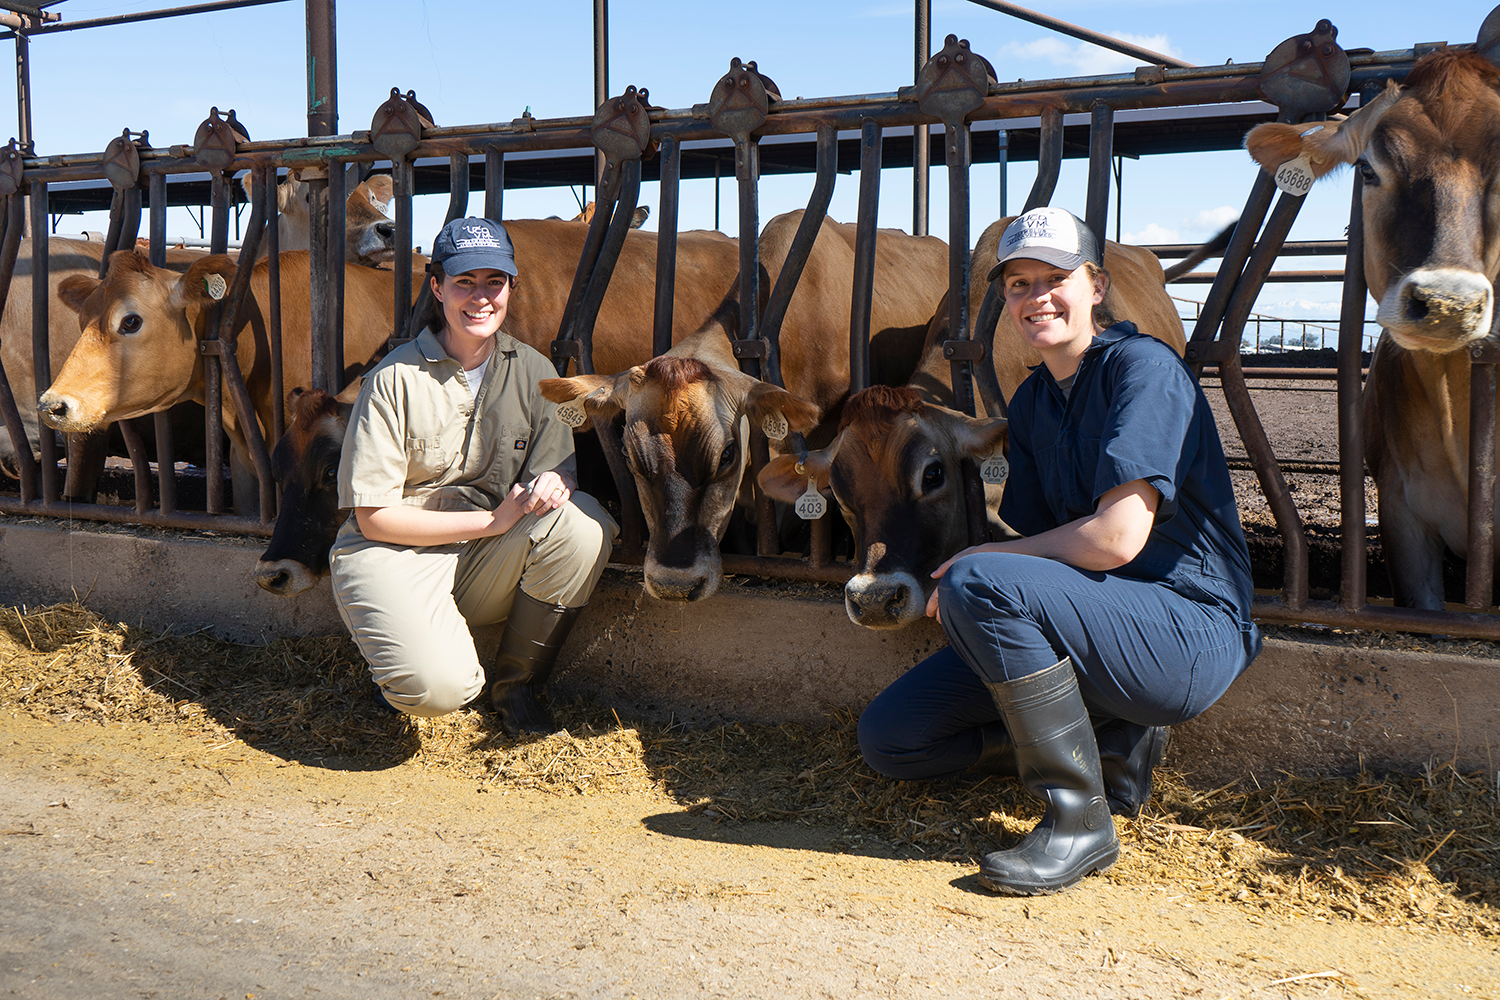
(417, 436)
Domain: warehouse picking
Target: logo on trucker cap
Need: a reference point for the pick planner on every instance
(479, 236)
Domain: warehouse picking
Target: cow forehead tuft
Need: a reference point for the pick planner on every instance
(881, 405)
(674, 374)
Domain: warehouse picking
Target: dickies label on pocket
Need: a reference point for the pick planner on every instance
(521, 444)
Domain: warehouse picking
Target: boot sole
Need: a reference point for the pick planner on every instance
(1101, 862)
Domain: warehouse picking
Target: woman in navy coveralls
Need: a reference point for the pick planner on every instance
(1124, 609)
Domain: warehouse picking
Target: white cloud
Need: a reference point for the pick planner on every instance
(1153, 234)
(1211, 220)
(1085, 58)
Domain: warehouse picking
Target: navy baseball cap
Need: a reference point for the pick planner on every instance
(471, 244)
(1052, 235)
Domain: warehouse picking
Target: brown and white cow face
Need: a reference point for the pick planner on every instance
(896, 470)
(369, 234)
(305, 463)
(1427, 154)
(137, 352)
(687, 415)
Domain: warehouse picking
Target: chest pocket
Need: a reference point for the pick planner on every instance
(509, 446)
(1071, 465)
(429, 459)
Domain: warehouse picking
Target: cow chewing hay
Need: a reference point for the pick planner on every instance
(1401, 851)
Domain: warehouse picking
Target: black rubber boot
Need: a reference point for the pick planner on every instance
(533, 636)
(1128, 753)
(997, 754)
(1058, 761)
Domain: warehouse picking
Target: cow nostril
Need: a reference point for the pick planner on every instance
(897, 602)
(1416, 306)
(386, 229)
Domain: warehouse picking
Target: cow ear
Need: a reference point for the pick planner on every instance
(601, 396)
(291, 189)
(765, 401)
(977, 437)
(75, 290)
(785, 477)
(381, 189)
(205, 283)
(1327, 144)
(350, 392)
(247, 181)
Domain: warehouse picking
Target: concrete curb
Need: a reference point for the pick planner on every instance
(772, 652)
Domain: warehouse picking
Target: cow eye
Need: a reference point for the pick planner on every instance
(727, 458)
(331, 475)
(130, 324)
(932, 477)
(1366, 172)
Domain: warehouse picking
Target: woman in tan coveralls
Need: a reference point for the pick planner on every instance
(461, 480)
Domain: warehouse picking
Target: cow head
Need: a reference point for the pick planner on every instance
(306, 465)
(138, 348)
(369, 234)
(896, 470)
(686, 420)
(1426, 156)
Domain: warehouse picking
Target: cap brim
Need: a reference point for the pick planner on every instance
(1047, 255)
(476, 260)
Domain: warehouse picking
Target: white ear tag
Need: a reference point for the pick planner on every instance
(1295, 177)
(774, 425)
(994, 470)
(571, 414)
(216, 286)
(811, 505)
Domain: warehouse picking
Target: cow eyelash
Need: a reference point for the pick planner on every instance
(1366, 172)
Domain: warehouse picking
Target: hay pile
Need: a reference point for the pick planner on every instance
(1396, 851)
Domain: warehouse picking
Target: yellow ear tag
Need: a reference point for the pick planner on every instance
(994, 470)
(216, 286)
(571, 414)
(774, 425)
(811, 505)
(1295, 177)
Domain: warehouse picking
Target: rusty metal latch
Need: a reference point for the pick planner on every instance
(755, 348)
(954, 82)
(122, 159)
(11, 168)
(397, 126)
(214, 143)
(739, 104)
(963, 350)
(1307, 74)
(621, 129)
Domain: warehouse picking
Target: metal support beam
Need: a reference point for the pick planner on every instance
(921, 148)
(322, 69)
(1093, 37)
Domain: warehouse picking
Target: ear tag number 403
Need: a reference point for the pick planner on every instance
(811, 505)
(994, 470)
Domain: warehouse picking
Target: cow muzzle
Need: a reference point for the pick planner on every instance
(684, 583)
(1438, 309)
(884, 600)
(64, 413)
(285, 577)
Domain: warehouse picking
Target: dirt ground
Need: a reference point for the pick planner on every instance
(144, 861)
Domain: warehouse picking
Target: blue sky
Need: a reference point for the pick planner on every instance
(476, 61)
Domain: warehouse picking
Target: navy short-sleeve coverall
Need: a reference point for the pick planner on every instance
(1155, 641)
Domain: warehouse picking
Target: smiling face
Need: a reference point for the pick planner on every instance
(474, 304)
(1053, 308)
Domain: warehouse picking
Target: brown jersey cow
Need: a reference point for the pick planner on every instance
(1426, 153)
(895, 466)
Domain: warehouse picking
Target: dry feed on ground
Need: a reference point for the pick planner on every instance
(1395, 850)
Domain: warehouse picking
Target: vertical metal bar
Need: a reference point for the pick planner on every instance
(322, 69)
(494, 182)
(1262, 190)
(112, 233)
(1002, 158)
(337, 209)
(405, 177)
(1101, 159)
(273, 311)
(1479, 583)
(1048, 160)
(1119, 195)
(135, 447)
(213, 420)
(958, 156)
(458, 187)
(666, 245)
(921, 151)
(23, 92)
(219, 198)
(41, 357)
(14, 224)
(317, 280)
(864, 255)
(166, 468)
(601, 76)
(796, 258)
(747, 173)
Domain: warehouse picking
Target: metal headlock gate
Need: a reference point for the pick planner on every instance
(1306, 78)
